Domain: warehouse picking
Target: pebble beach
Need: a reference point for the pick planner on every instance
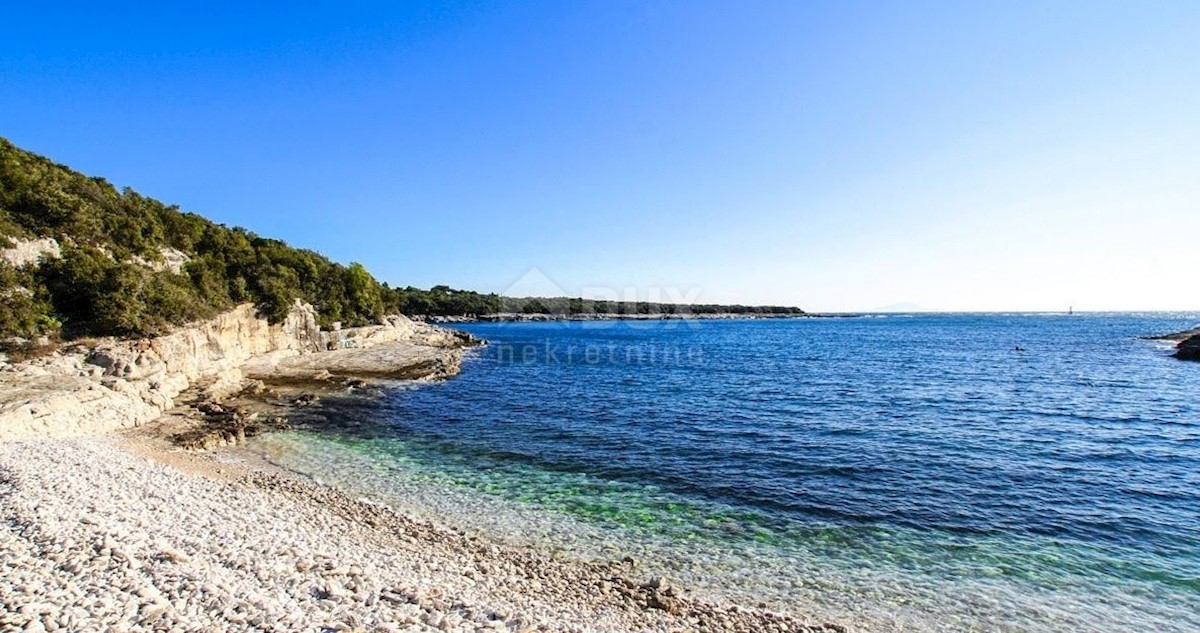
(118, 533)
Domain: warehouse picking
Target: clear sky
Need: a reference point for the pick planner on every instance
(836, 156)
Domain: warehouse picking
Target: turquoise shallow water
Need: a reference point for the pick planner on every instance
(899, 473)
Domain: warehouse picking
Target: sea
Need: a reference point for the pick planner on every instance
(899, 472)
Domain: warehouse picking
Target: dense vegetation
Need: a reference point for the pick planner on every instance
(112, 277)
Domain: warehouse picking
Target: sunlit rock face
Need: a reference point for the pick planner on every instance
(108, 384)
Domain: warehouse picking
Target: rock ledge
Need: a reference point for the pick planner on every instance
(106, 384)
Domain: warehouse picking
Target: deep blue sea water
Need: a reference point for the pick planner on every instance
(900, 472)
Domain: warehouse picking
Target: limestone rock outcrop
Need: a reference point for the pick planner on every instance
(1187, 343)
(1188, 348)
(172, 259)
(20, 253)
(110, 384)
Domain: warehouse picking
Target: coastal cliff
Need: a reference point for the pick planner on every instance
(101, 385)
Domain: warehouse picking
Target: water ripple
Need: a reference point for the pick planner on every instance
(908, 474)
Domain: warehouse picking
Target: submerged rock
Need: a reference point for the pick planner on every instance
(213, 425)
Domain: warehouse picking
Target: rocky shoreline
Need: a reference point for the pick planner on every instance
(112, 519)
(1187, 343)
(101, 385)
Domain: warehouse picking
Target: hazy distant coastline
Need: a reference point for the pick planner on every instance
(520, 317)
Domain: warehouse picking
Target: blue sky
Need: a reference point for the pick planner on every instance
(835, 156)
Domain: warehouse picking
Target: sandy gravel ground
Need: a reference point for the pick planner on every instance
(119, 533)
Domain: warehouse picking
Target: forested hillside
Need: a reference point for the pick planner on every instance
(575, 306)
(114, 274)
(127, 265)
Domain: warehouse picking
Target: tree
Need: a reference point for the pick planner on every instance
(25, 310)
(365, 303)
